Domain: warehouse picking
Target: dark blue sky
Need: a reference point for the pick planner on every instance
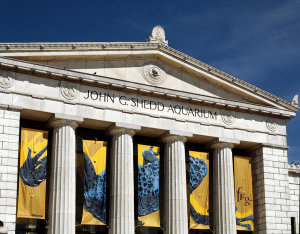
(257, 41)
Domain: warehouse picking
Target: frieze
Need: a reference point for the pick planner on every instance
(156, 111)
(6, 79)
(151, 105)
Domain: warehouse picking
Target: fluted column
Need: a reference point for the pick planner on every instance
(175, 207)
(62, 177)
(223, 188)
(122, 180)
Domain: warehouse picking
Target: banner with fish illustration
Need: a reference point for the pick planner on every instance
(243, 193)
(199, 190)
(32, 174)
(148, 186)
(94, 204)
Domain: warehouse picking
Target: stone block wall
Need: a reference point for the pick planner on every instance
(9, 151)
(294, 188)
(271, 190)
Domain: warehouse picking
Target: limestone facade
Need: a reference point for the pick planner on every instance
(294, 192)
(9, 142)
(146, 89)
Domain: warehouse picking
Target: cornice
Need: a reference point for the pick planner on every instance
(74, 46)
(7, 48)
(229, 78)
(132, 87)
(294, 168)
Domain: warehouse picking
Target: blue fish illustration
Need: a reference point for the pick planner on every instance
(33, 171)
(239, 221)
(148, 183)
(198, 170)
(94, 190)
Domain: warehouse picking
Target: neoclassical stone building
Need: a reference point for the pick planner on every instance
(131, 92)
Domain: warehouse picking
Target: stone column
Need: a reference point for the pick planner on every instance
(62, 202)
(223, 186)
(175, 207)
(121, 213)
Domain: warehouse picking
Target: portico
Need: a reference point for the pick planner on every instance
(151, 90)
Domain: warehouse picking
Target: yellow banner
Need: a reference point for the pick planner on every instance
(148, 186)
(32, 174)
(199, 190)
(94, 204)
(243, 193)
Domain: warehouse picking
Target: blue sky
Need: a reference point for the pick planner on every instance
(257, 41)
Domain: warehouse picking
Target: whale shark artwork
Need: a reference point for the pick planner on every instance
(198, 171)
(33, 171)
(94, 190)
(148, 186)
(94, 183)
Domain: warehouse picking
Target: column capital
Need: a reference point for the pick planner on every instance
(222, 142)
(172, 135)
(57, 120)
(118, 128)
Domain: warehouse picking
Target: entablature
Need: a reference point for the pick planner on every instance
(143, 89)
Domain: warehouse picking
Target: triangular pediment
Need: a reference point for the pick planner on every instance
(135, 63)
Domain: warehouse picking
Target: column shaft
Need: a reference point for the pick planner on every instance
(122, 183)
(63, 179)
(223, 190)
(176, 221)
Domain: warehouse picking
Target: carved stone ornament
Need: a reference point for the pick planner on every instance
(6, 79)
(68, 91)
(271, 124)
(295, 101)
(228, 117)
(154, 73)
(158, 35)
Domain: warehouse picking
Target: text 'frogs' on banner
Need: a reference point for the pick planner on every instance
(243, 193)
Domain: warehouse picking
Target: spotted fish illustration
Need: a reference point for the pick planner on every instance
(94, 190)
(198, 170)
(148, 183)
(239, 221)
(33, 171)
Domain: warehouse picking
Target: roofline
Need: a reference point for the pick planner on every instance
(12, 49)
(133, 87)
